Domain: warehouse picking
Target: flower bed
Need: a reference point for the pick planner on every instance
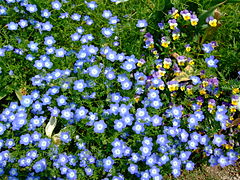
(96, 112)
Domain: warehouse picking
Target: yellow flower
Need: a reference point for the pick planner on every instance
(234, 102)
(155, 52)
(182, 88)
(194, 23)
(213, 23)
(202, 91)
(161, 87)
(151, 46)
(191, 62)
(186, 17)
(205, 83)
(176, 15)
(228, 146)
(165, 44)
(159, 66)
(166, 65)
(175, 36)
(188, 49)
(235, 90)
(139, 64)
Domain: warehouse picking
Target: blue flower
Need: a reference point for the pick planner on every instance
(79, 85)
(23, 23)
(71, 174)
(119, 125)
(56, 5)
(81, 113)
(107, 14)
(25, 139)
(128, 66)
(195, 79)
(47, 26)
(211, 62)
(45, 13)
(117, 152)
(31, 8)
(60, 52)
(142, 23)
(13, 172)
(40, 166)
(133, 168)
(138, 127)
(44, 143)
(176, 172)
(100, 126)
(33, 46)
(67, 114)
(94, 71)
(108, 162)
(92, 5)
(2, 129)
(12, 26)
(219, 140)
(62, 100)
(107, 32)
(126, 85)
(49, 40)
(207, 48)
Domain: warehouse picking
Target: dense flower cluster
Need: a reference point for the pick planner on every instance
(111, 115)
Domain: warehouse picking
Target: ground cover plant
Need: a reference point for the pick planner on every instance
(101, 104)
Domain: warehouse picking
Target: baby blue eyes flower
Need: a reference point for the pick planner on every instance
(207, 48)
(133, 168)
(44, 143)
(2, 129)
(107, 14)
(142, 23)
(100, 126)
(75, 37)
(92, 5)
(56, 5)
(40, 166)
(79, 85)
(23, 23)
(76, 17)
(49, 40)
(128, 66)
(25, 139)
(211, 62)
(94, 71)
(31, 8)
(196, 80)
(107, 32)
(33, 46)
(219, 140)
(60, 52)
(12, 26)
(65, 137)
(47, 26)
(45, 13)
(26, 101)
